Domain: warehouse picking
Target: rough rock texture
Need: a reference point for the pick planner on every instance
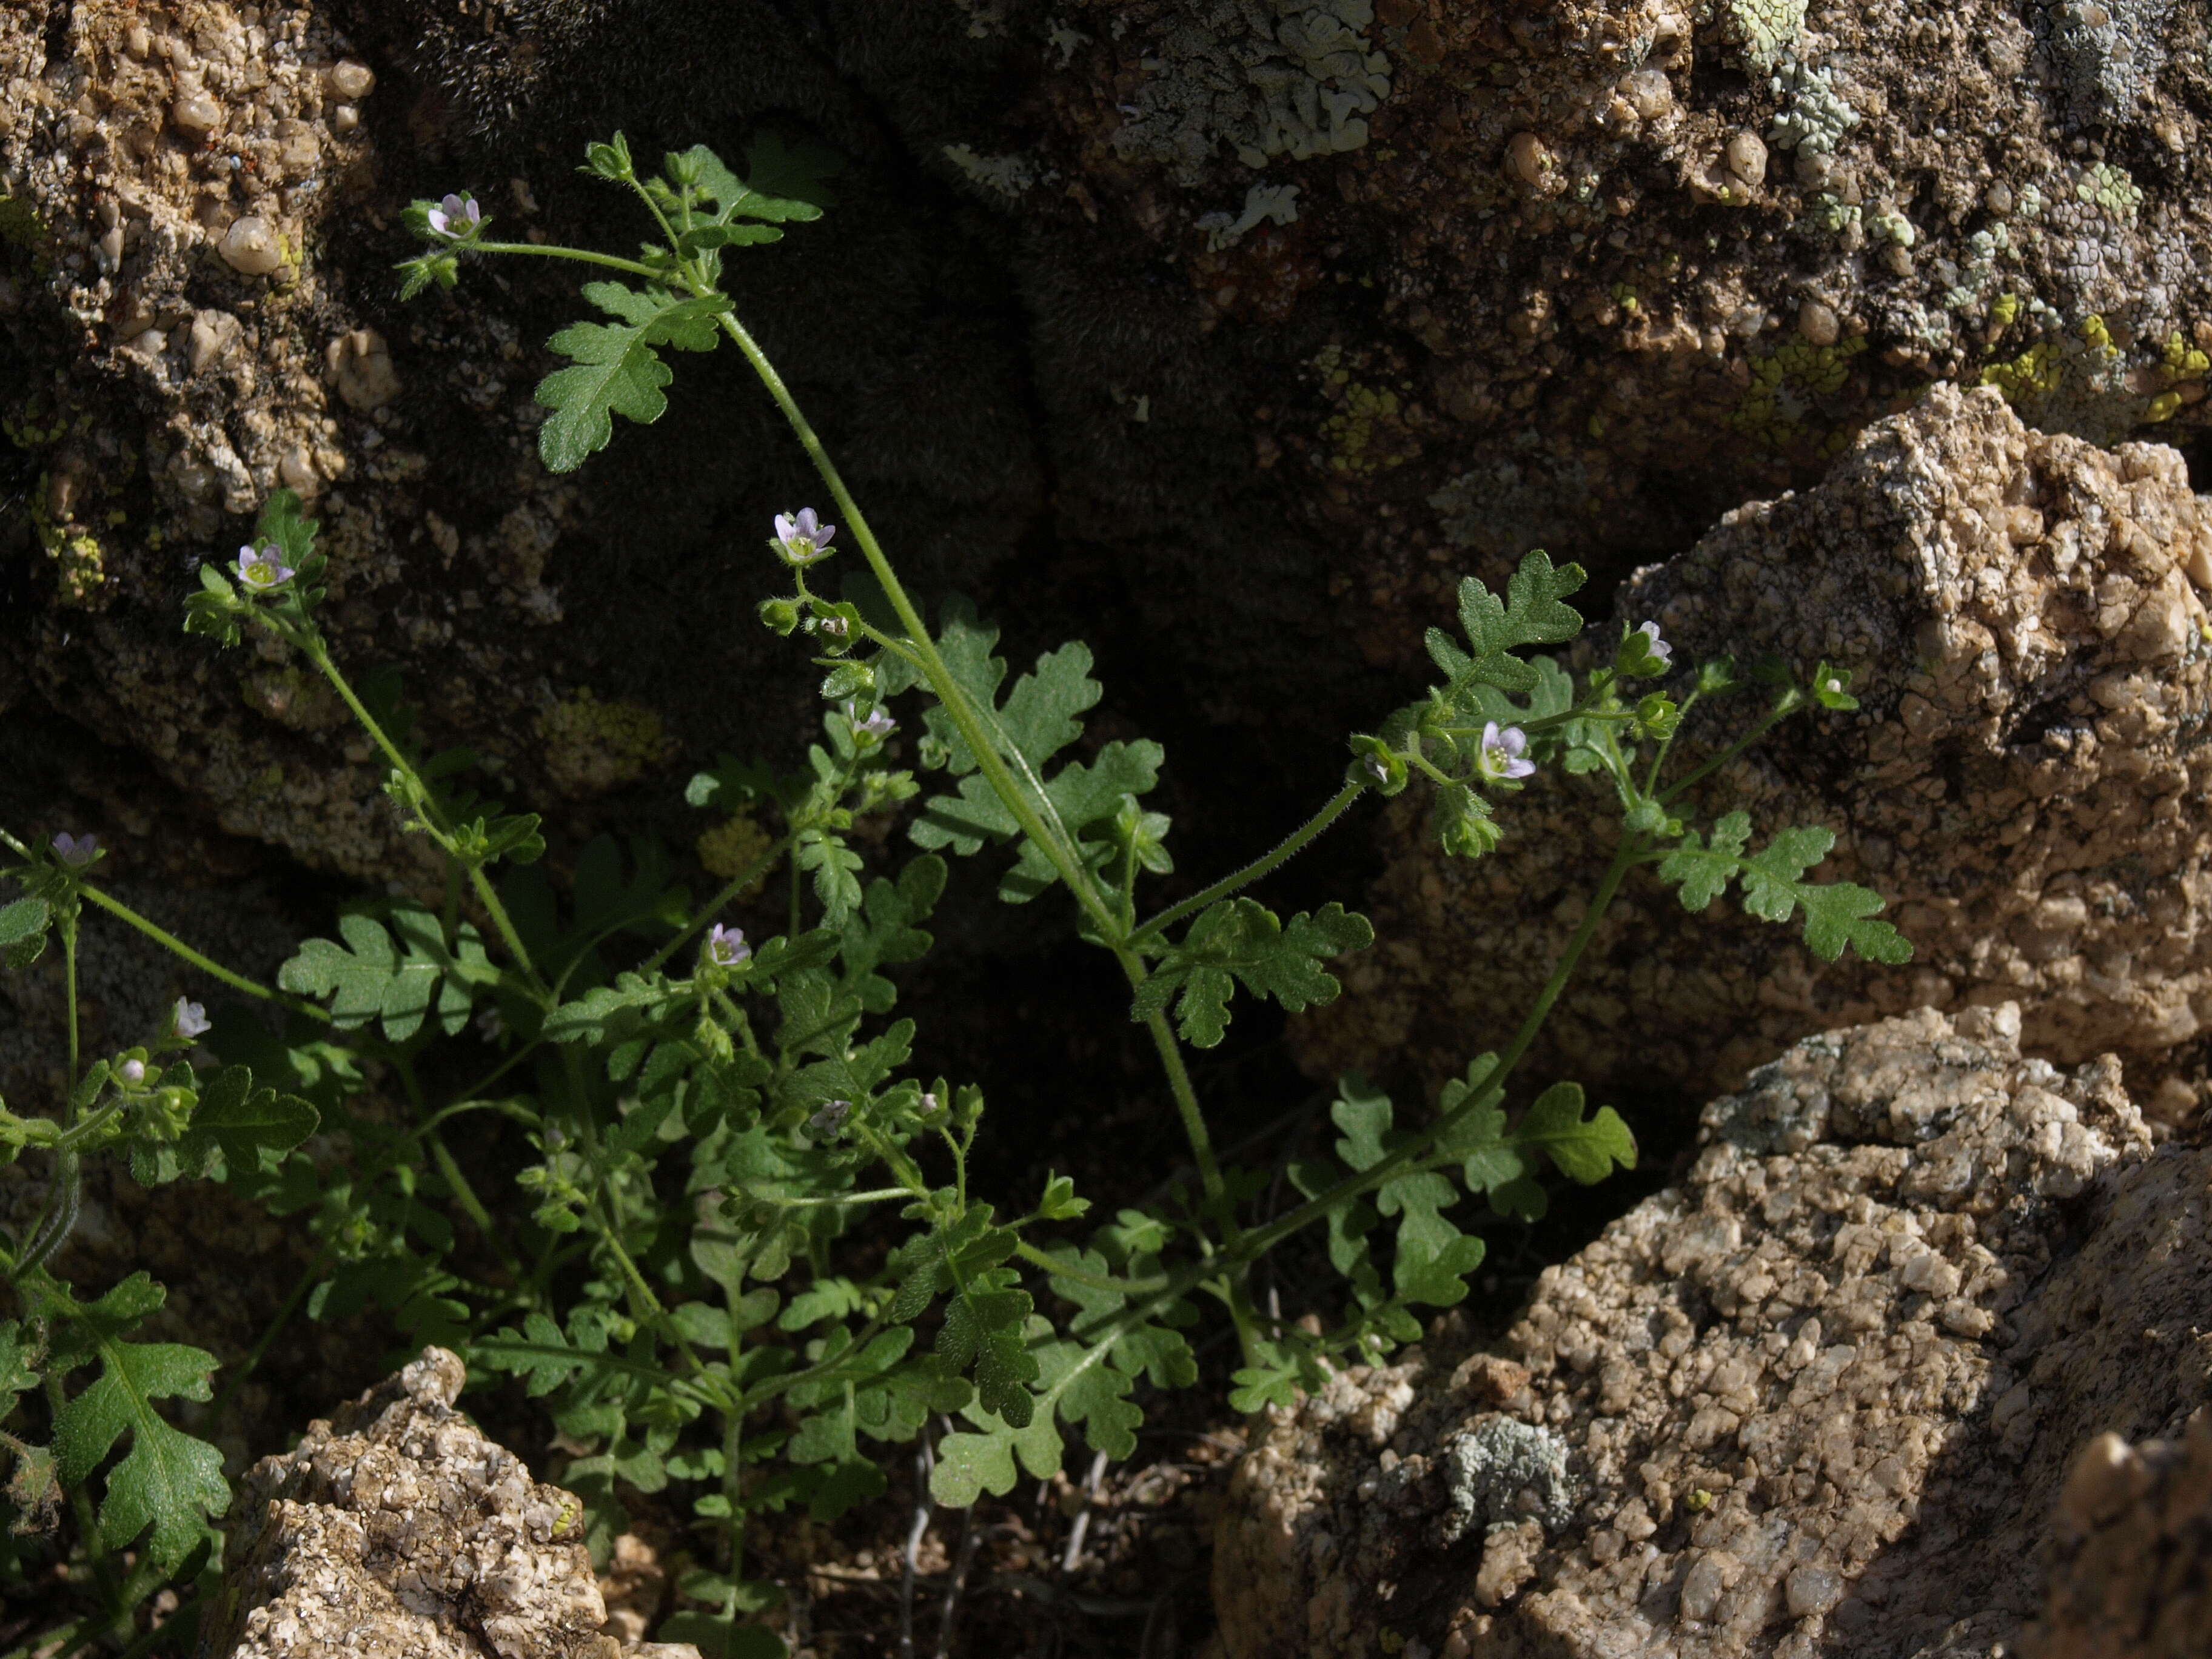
(397, 1531)
(2131, 1568)
(1131, 299)
(1820, 1397)
(2022, 783)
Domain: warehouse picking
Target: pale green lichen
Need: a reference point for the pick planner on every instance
(1262, 202)
(79, 562)
(1816, 116)
(1828, 214)
(1886, 224)
(1267, 78)
(1765, 29)
(1368, 433)
(1010, 176)
(2106, 186)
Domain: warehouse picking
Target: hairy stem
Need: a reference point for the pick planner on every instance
(948, 690)
(215, 970)
(1291, 846)
(486, 895)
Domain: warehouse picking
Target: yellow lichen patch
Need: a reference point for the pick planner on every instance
(1784, 384)
(2029, 378)
(19, 225)
(1368, 432)
(732, 848)
(2005, 311)
(592, 746)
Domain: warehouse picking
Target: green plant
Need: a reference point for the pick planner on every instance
(706, 1115)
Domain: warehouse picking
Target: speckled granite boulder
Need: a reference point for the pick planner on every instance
(397, 1531)
(1820, 1397)
(2025, 615)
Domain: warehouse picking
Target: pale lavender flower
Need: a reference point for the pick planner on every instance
(805, 537)
(491, 1024)
(1381, 772)
(264, 571)
(1834, 685)
(455, 216)
(831, 1118)
(725, 946)
(75, 851)
(190, 1019)
(929, 1107)
(1501, 751)
(876, 727)
(1657, 647)
(132, 1072)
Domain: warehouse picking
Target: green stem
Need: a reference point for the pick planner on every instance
(486, 895)
(1780, 712)
(649, 1304)
(69, 994)
(246, 1367)
(582, 255)
(948, 690)
(472, 1205)
(1262, 1239)
(1187, 1106)
(752, 872)
(215, 970)
(1290, 847)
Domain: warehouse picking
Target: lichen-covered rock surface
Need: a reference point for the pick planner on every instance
(1821, 1396)
(1123, 304)
(395, 1530)
(2025, 616)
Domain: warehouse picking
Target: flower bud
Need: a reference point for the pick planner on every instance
(782, 615)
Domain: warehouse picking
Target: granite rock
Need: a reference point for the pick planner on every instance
(396, 1530)
(2025, 613)
(1820, 1396)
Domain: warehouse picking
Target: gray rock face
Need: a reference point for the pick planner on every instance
(397, 1531)
(1820, 1397)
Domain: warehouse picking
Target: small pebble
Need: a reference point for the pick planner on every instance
(1817, 323)
(1649, 93)
(297, 471)
(1997, 198)
(139, 41)
(344, 118)
(351, 81)
(1529, 158)
(1746, 157)
(250, 246)
(196, 114)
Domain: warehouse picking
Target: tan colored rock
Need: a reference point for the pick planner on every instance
(252, 246)
(2020, 782)
(397, 1531)
(1819, 1397)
